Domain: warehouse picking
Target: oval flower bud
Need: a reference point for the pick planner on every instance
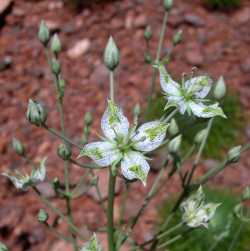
(42, 216)
(36, 113)
(168, 4)
(200, 136)
(88, 119)
(173, 128)
(175, 144)
(64, 152)
(220, 88)
(233, 155)
(246, 193)
(137, 110)
(55, 66)
(111, 55)
(148, 33)
(56, 46)
(43, 33)
(177, 38)
(18, 147)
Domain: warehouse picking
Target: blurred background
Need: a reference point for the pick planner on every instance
(216, 40)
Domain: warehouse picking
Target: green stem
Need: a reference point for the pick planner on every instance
(167, 243)
(110, 211)
(112, 86)
(171, 230)
(236, 237)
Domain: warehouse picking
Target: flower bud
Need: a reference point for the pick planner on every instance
(42, 216)
(18, 147)
(3, 247)
(220, 88)
(175, 144)
(43, 33)
(55, 66)
(137, 110)
(200, 136)
(148, 58)
(111, 55)
(88, 119)
(233, 155)
(148, 33)
(64, 152)
(36, 113)
(173, 128)
(177, 38)
(246, 193)
(56, 46)
(168, 4)
(61, 87)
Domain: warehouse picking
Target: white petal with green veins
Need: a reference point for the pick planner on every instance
(102, 153)
(134, 166)
(149, 136)
(114, 123)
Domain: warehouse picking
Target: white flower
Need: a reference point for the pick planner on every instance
(23, 181)
(195, 212)
(124, 144)
(92, 245)
(190, 96)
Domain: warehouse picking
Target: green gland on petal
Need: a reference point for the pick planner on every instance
(140, 174)
(154, 132)
(113, 110)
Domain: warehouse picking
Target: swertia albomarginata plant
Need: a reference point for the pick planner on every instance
(123, 148)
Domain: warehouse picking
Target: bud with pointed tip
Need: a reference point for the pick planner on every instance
(173, 128)
(111, 55)
(137, 110)
(43, 33)
(42, 216)
(168, 4)
(55, 66)
(246, 193)
(220, 88)
(56, 45)
(36, 113)
(18, 147)
(88, 119)
(64, 152)
(233, 155)
(199, 137)
(177, 38)
(175, 144)
(148, 33)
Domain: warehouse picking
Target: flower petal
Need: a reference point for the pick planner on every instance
(200, 86)
(149, 136)
(134, 166)
(102, 153)
(206, 111)
(169, 86)
(114, 123)
(39, 174)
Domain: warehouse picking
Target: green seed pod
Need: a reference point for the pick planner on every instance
(55, 66)
(175, 144)
(177, 38)
(111, 55)
(43, 33)
(18, 147)
(3, 247)
(246, 193)
(88, 119)
(42, 216)
(56, 45)
(233, 155)
(36, 113)
(148, 33)
(220, 88)
(168, 4)
(64, 152)
(173, 128)
(200, 136)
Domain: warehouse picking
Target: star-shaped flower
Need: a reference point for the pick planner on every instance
(195, 212)
(23, 181)
(125, 145)
(190, 95)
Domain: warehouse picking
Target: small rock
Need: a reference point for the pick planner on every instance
(46, 189)
(129, 20)
(61, 245)
(53, 25)
(247, 132)
(5, 63)
(117, 23)
(80, 48)
(37, 235)
(245, 66)
(194, 20)
(242, 16)
(140, 21)
(4, 6)
(99, 75)
(194, 57)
